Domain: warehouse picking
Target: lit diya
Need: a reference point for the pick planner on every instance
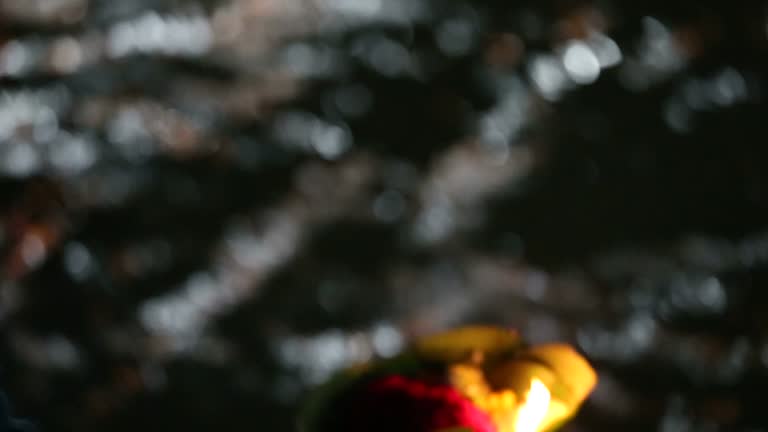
(472, 379)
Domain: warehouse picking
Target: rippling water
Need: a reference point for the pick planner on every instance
(206, 207)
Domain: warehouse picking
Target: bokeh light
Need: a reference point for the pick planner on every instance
(210, 206)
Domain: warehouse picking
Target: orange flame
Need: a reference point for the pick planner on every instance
(503, 395)
(533, 411)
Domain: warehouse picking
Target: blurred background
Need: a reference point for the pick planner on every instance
(208, 206)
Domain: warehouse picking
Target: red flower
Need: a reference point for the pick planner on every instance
(398, 404)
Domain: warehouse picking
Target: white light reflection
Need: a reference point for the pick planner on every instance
(581, 63)
(548, 75)
(387, 56)
(660, 49)
(436, 222)
(151, 33)
(15, 59)
(348, 13)
(44, 12)
(19, 159)
(181, 315)
(710, 294)
(71, 154)
(330, 141)
(729, 87)
(658, 57)
(318, 356)
(37, 110)
(127, 129)
(387, 340)
(606, 50)
(694, 294)
(500, 126)
(78, 261)
(355, 8)
(636, 336)
(308, 132)
(310, 61)
(66, 55)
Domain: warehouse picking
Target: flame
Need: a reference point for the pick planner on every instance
(509, 412)
(502, 394)
(533, 411)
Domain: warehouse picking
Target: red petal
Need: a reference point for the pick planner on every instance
(398, 404)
